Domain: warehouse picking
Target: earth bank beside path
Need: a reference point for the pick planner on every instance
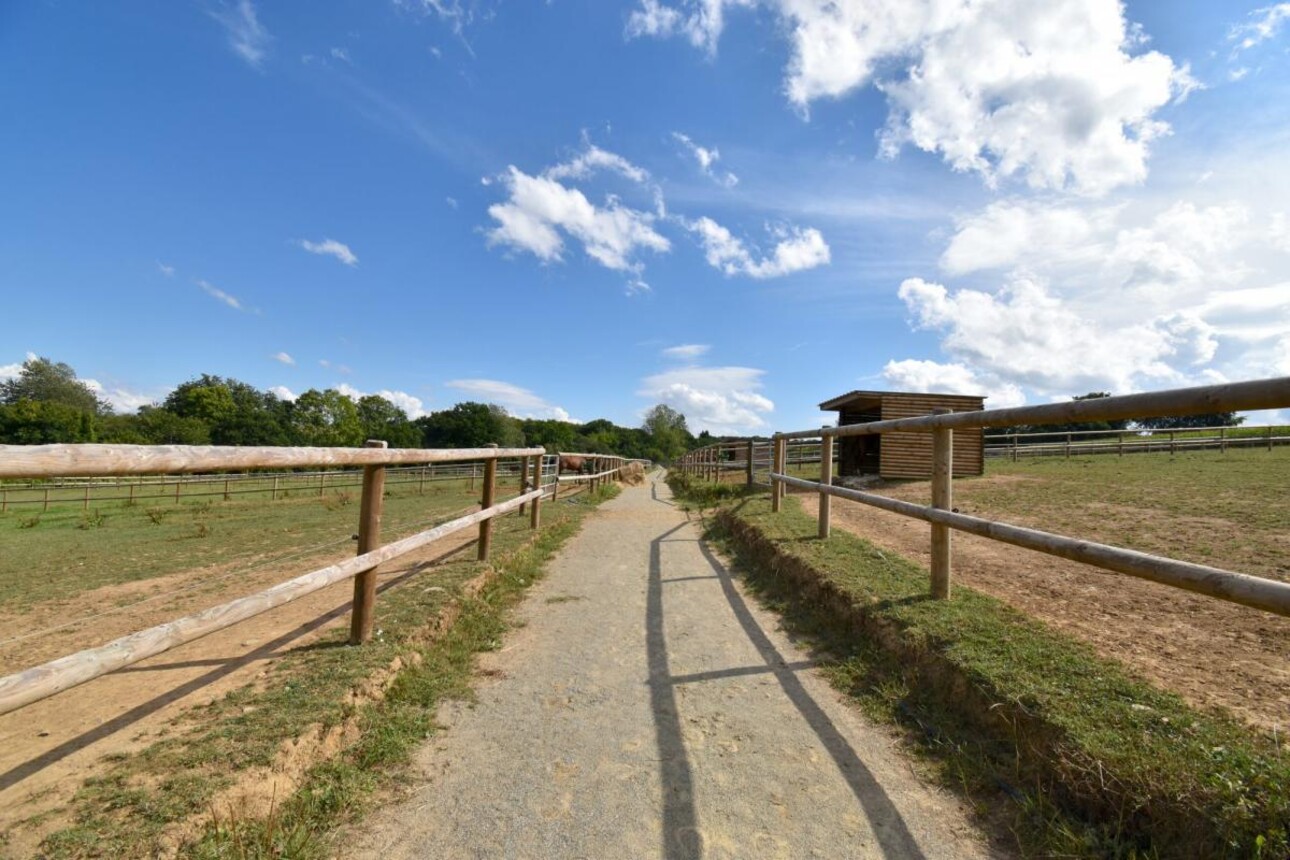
(646, 707)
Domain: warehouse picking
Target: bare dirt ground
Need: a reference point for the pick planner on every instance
(49, 748)
(646, 707)
(1212, 653)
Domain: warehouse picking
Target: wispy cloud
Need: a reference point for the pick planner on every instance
(342, 55)
(330, 248)
(339, 368)
(1264, 24)
(246, 35)
(516, 400)
(168, 271)
(686, 350)
(706, 159)
(284, 359)
(218, 294)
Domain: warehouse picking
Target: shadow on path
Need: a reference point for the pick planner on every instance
(889, 827)
(681, 837)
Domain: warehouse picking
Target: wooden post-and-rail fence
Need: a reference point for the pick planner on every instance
(1258, 592)
(90, 461)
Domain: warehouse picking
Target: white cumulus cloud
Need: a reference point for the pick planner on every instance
(331, 248)
(721, 400)
(283, 392)
(412, 406)
(931, 376)
(542, 211)
(284, 358)
(1057, 93)
(798, 249)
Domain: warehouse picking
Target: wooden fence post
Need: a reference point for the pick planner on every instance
(275, 488)
(535, 512)
(1173, 447)
(777, 467)
(1222, 440)
(1269, 437)
(943, 499)
(1015, 437)
(555, 489)
(524, 479)
(490, 490)
(826, 478)
(752, 448)
(1068, 446)
(369, 539)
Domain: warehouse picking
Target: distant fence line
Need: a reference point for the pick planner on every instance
(88, 490)
(538, 473)
(1130, 441)
(1270, 595)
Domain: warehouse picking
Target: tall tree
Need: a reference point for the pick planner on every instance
(235, 412)
(325, 419)
(381, 419)
(470, 425)
(1211, 419)
(43, 381)
(669, 436)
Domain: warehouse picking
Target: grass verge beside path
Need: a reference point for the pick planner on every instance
(1079, 757)
(362, 711)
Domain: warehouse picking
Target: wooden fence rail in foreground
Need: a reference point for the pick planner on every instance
(43, 681)
(816, 446)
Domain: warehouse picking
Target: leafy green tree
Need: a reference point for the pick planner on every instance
(235, 413)
(470, 425)
(34, 422)
(1212, 419)
(668, 434)
(381, 419)
(43, 381)
(553, 435)
(154, 425)
(325, 419)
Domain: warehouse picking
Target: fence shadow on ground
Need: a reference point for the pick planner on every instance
(682, 839)
(223, 668)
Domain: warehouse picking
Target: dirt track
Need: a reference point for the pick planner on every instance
(1213, 653)
(48, 748)
(647, 708)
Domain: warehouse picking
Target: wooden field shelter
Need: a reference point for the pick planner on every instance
(903, 455)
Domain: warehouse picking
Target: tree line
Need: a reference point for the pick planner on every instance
(47, 403)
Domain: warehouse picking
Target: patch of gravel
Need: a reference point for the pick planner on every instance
(647, 708)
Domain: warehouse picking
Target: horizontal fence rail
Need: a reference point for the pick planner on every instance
(768, 462)
(43, 681)
(538, 475)
(35, 461)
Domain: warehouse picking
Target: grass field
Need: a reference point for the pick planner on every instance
(65, 551)
(70, 562)
(1231, 510)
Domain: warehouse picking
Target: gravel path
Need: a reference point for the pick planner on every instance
(647, 708)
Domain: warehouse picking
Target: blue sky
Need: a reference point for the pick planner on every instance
(580, 209)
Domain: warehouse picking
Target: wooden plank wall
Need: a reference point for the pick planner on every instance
(909, 455)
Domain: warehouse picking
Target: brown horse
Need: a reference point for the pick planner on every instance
(581, 465)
